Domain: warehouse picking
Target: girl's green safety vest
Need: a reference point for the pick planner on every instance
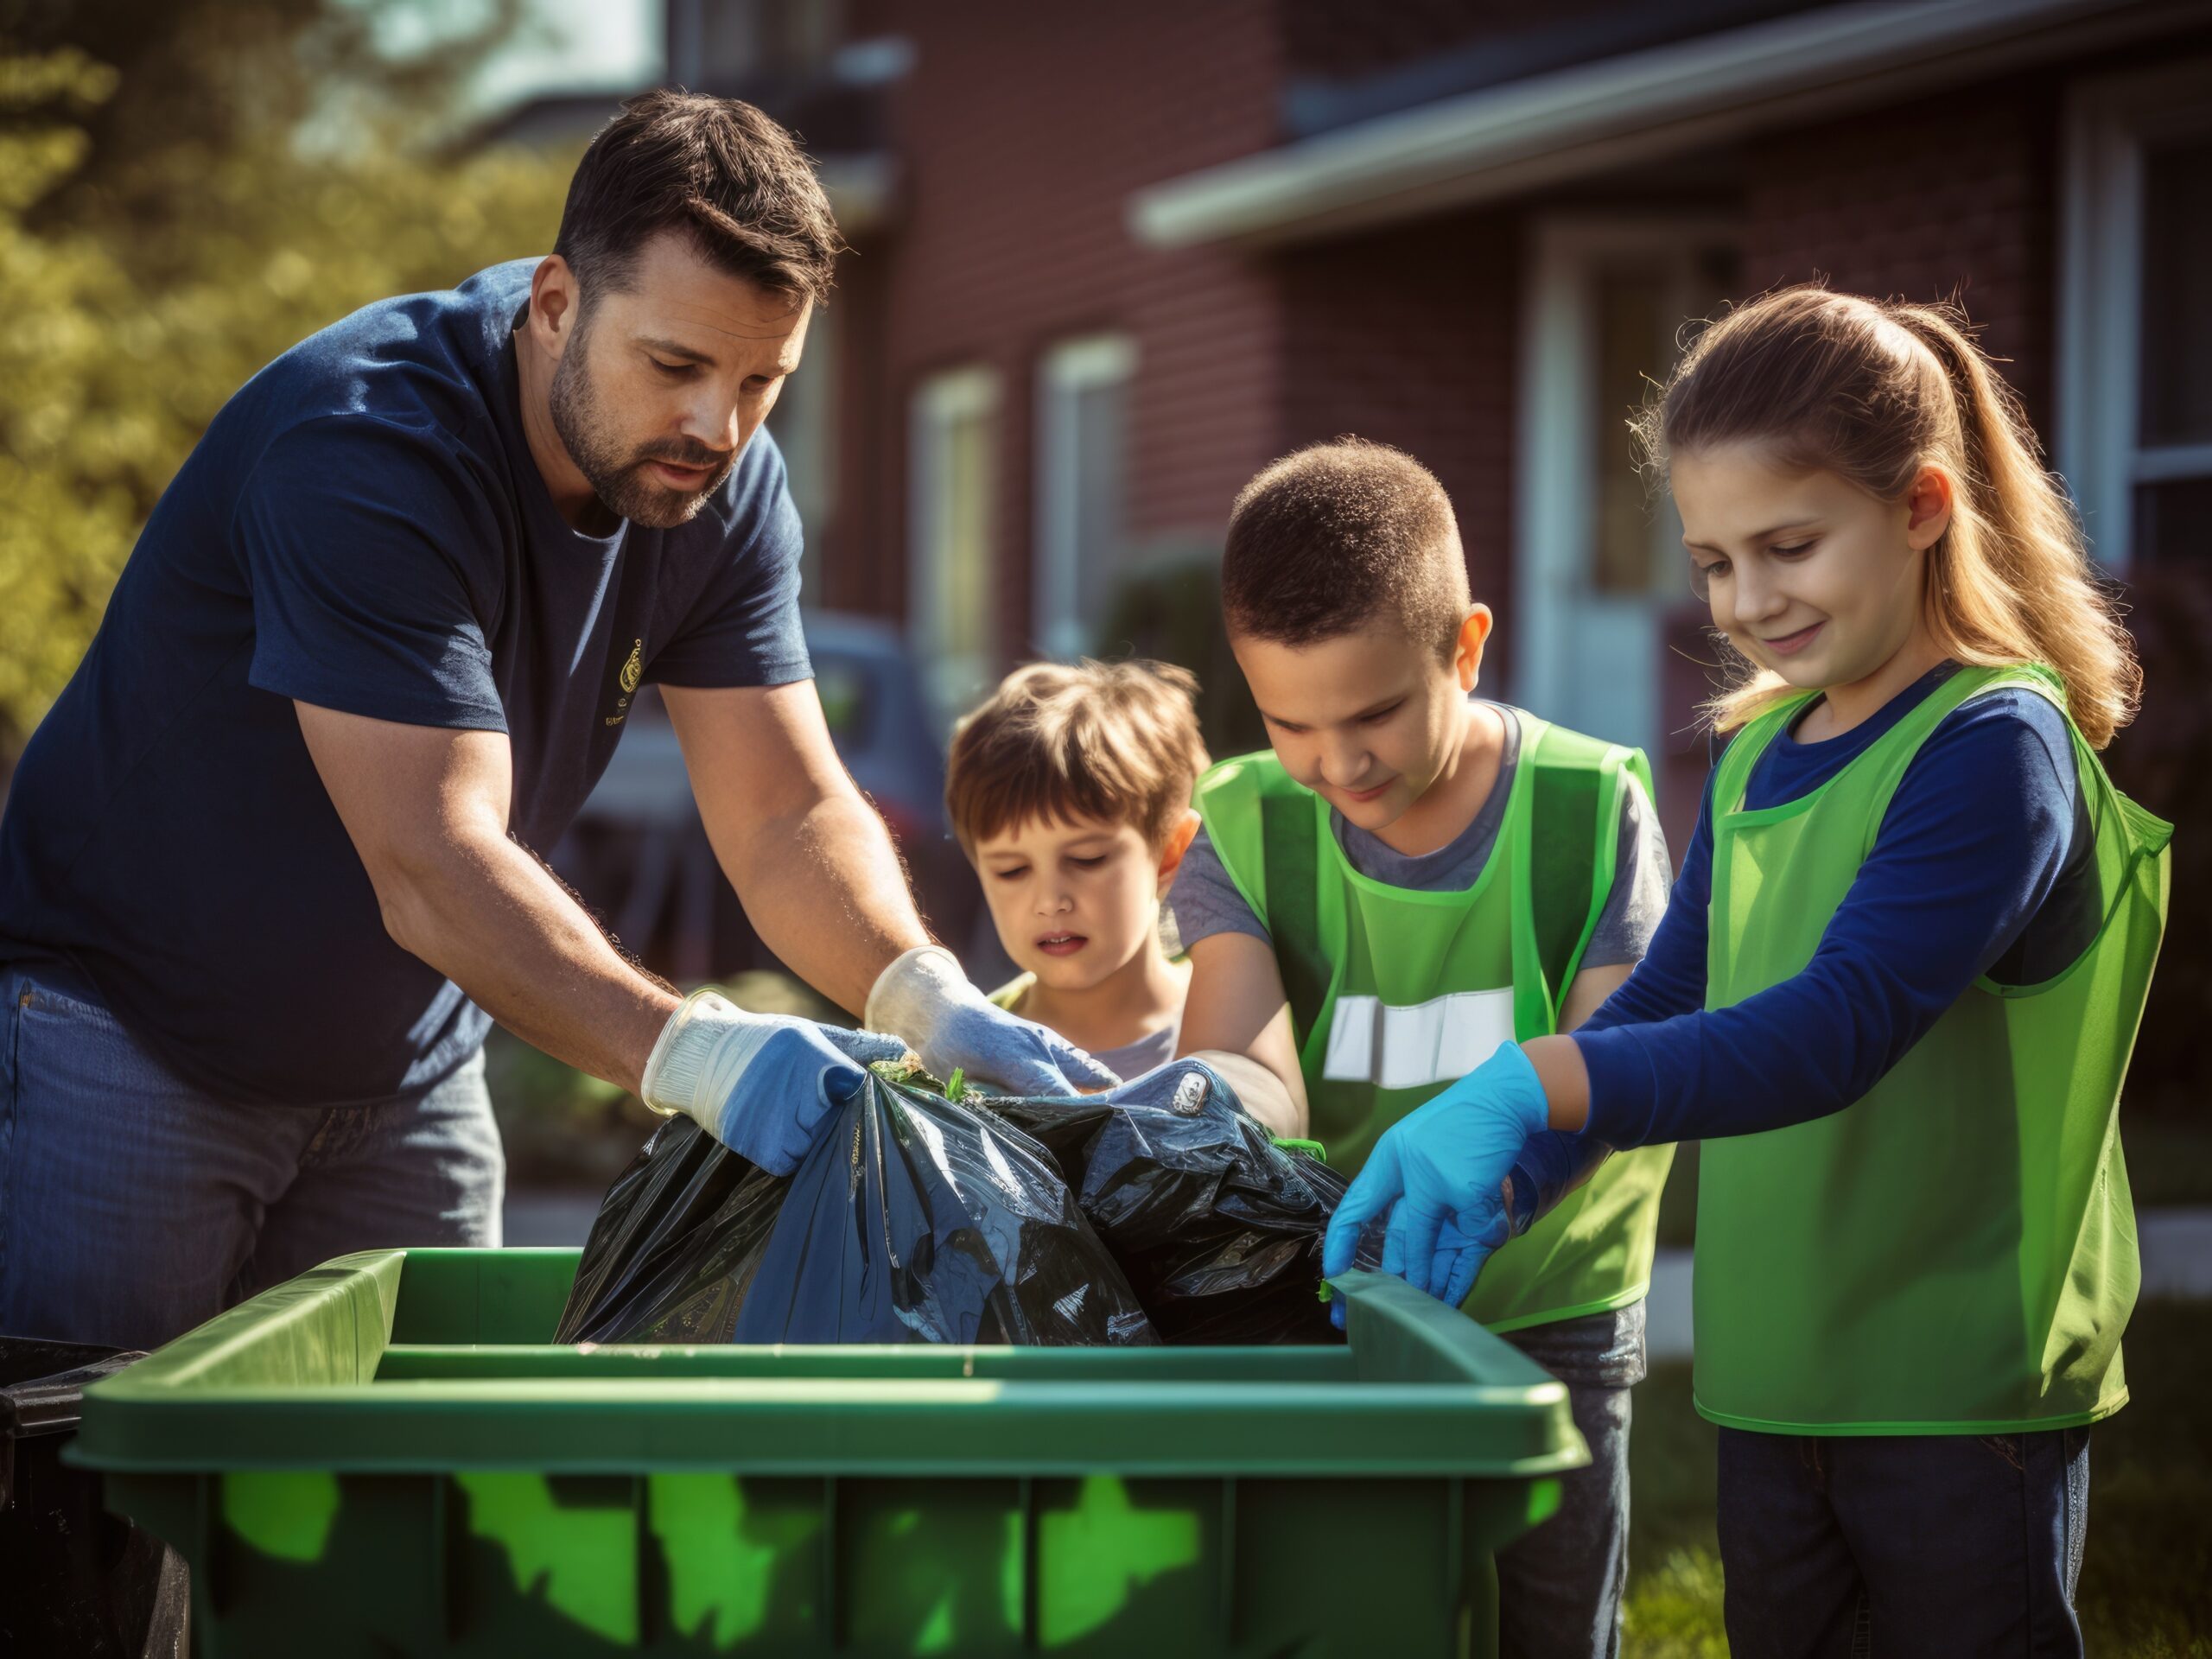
(1395, 994)
(1955, 1252)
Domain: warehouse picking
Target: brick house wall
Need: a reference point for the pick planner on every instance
(1956, 195)
(1409, 337)
(1011, 238)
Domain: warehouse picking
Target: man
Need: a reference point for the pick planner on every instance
(264, 874)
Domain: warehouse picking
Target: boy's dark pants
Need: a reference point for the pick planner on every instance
(1559, 1586)
(1893, 1545)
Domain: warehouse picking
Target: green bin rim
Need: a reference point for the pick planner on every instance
(289, 1380)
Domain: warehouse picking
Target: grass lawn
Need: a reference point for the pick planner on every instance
(2147, 1581)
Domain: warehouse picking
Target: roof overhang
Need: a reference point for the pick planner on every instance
(1626, 110)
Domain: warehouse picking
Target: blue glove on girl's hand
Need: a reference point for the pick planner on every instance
(762, 1085)
(1441, 1172)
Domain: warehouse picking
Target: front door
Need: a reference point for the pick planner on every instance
(1599, 558)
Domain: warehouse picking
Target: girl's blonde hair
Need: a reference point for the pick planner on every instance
(1875, 391)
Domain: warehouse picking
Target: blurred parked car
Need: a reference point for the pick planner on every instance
(638, 854)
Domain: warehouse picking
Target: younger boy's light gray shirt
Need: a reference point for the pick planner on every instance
(1205, 901)
(1131, 1060)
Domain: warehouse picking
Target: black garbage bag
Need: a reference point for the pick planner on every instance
(1218, 1228)
(915, 1218)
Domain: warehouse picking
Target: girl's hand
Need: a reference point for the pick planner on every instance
(1441, 1173)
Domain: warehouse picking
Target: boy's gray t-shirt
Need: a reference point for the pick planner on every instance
(1205, 899)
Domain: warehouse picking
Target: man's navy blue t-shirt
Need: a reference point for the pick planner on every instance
(362, 528)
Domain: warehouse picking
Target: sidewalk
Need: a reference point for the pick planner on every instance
(2176, 1248)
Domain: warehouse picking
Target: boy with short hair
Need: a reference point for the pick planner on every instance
(1410, 876)
(1069, 791)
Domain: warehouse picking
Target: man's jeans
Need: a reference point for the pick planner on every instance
(133, 1206)
(1559, 1586)
(1948, 1545)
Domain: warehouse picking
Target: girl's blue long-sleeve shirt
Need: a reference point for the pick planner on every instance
(1984, 864)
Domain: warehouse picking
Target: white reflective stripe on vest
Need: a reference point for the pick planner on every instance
(1437, 1041)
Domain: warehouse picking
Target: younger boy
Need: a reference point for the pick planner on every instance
(1069, 791)
(1409, 877)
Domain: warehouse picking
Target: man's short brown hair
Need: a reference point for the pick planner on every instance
(714, 168)
(1335, 536)
(1114, 741)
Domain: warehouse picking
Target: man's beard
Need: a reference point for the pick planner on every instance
(621, 480)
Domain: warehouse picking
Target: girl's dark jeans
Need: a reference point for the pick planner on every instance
(1895, 1545)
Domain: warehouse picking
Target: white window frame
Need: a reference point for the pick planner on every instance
(1068, 370)
(2109, 123)
(941, 400)
(806, 432)
(1555, 476)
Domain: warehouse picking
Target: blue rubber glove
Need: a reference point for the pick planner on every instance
(762, 1085)
(1441, 1172)
(925, 999)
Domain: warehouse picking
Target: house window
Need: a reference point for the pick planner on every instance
(717, 43)
(1081, 419)
(953, 614)
(804, 423)
(1635, 313)
(2135, 358)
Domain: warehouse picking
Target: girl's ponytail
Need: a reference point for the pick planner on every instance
(2035, 582)
(1875, 392)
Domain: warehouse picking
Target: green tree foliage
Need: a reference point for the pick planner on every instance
(141, 288)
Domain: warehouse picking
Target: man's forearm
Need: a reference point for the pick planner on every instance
(826, 892)
(489, 917)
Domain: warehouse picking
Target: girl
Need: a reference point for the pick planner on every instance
(1896, 988)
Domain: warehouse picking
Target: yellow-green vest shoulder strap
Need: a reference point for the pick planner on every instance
(1556, 748)
(1967, 682)
(1008, 996)
(1567, 859)
(1243, 801)
(1245, 776)
(1734, 771)
(2147, 833)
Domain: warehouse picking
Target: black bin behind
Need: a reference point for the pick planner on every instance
(75, 1581)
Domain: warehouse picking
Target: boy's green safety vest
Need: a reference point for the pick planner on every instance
(1395, 994)
(1955, 1252)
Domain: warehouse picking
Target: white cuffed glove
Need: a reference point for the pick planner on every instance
(762, 1085)
(925, 999)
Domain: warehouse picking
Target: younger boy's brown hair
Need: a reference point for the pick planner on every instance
(1338, 535)
(1114, 741)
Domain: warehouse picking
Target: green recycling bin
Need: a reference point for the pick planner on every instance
(387, 1456)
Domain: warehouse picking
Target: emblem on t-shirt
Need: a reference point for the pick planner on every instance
(633, 671)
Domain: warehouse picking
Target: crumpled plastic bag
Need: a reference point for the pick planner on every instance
(915, 1218)
(1218, 1227)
